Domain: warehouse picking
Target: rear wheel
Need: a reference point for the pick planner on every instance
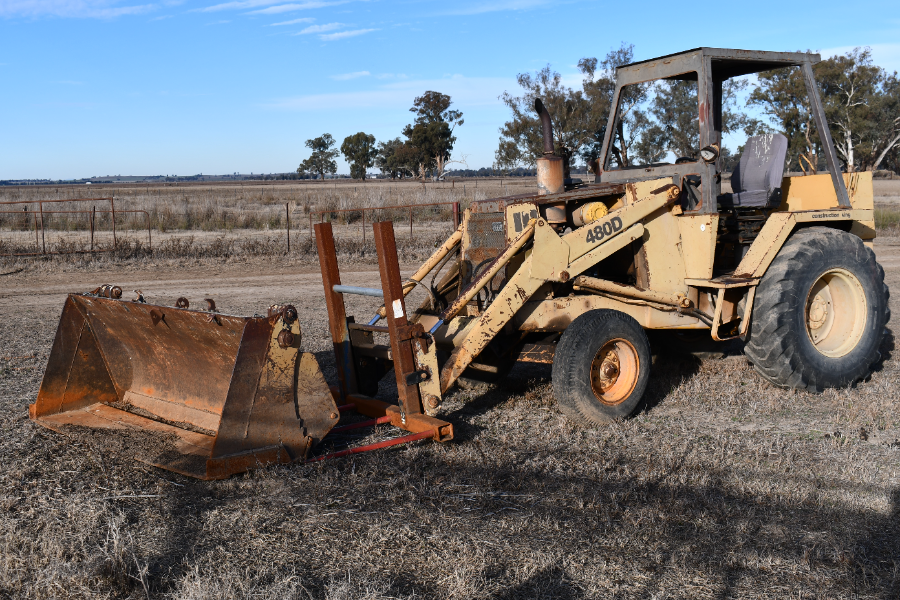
(601, 367)
(820, 312)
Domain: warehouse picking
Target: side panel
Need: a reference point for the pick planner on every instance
(816, 192)
(698, 244)
(661, 243)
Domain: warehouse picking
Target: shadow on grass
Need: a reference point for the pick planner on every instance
(623, 532)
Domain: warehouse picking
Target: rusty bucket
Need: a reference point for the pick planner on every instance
(218, 394)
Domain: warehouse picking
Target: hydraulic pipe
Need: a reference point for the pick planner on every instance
(601, 285)
(485, 276)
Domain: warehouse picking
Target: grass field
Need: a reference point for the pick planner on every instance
(723, 487)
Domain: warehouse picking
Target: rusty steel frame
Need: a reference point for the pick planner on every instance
(409, 413)
(395, 307)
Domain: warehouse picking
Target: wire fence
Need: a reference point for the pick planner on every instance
(69, 226)
(49, 226)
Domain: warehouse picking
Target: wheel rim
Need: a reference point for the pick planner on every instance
(836, 312)
(614, 371)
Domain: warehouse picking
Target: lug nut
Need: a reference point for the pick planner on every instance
(182, 303)
(432, 401)
(290, 314)
(285, 339)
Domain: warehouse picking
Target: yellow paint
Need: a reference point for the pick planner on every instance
(816, 192)
(698, 244)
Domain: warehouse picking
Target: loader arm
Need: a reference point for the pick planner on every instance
(552, 259)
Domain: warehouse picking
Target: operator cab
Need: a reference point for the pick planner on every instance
(699, 75)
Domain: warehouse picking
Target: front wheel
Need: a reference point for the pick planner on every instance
(820, 312)
(601, 367)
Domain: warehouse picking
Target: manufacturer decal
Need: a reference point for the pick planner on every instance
(601, 230)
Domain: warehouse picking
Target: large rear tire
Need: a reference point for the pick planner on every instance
(601, 367)
(820, 312)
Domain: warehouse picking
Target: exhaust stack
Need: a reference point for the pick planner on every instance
(550, 168)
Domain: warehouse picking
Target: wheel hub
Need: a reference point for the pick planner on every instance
(614, 371)
(836, 312)
(609, 369)
(818, 312)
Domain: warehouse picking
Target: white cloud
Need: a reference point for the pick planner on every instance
(319, 28)
(465, 91)
(330, 37)
(293, 21)
(244, 4)
(96, 9)
(504, 5)
(283, 8)
(162, 18)
(348, 76)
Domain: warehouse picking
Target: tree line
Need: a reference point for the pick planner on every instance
(425, 151)
(659, 119)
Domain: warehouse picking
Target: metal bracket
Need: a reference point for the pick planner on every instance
(417, 377)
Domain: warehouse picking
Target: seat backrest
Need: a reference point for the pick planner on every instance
(761, 166)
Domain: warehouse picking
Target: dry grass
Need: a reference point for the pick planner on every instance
(725, 487)
(226, 222)
(250, 206)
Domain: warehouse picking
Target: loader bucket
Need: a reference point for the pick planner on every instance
(215, 394)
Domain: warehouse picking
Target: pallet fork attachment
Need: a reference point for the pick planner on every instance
(412, 349)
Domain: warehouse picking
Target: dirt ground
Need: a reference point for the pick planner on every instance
(724, 487)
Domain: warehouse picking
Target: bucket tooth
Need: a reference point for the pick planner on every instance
(221, 395)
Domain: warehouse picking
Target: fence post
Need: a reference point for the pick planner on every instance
(149, 235)
(43, 241)
(112, 203)
(93, 216)
(364, 225)
(287, 213)
(310, 225)
(37, 241)
(455, 215)
(410, 224)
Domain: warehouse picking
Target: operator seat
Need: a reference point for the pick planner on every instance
(756, 179)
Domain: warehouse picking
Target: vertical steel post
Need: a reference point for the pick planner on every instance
(43, 241)
(37, 240)
(455, 216)
(149, 235)
(337, 312)
(112, 203)
(392, 285)
(93, 217)
(364, 225)
(287, 214)
(410, 225)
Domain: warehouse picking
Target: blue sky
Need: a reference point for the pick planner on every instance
(110, 87)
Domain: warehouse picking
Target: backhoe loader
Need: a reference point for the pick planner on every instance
(572, 276)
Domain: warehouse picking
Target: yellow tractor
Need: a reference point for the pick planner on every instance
(571, 276)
